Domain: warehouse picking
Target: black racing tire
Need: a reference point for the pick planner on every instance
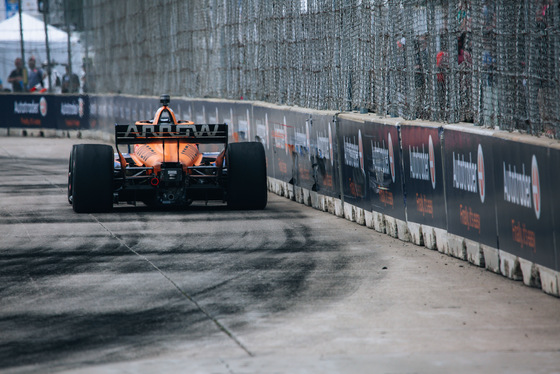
(92, 178)
(246, 176)
(70, 167)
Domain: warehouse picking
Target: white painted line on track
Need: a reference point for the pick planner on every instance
(220, 326)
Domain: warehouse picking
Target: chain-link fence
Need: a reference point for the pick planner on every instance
(492, 62)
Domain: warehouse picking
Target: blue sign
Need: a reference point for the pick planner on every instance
(11, 8)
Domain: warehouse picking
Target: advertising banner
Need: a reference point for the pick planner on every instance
(135, 110)
(322, 155)
(423, 175)
(371, 166)
(6, 108)
(554, 162)
(12, 8)
(525, 200)
(242, 120)
(72, 112)
(93, 110)
(29, 111)
(271, 128)
(470, 192)
(202, 111)
(238, 117)
(262, 129)
(299, 146)
(101, 113)
(300, 149)
(182, 108)
(122, 110)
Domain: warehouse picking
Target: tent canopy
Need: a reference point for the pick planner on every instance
(33, 30)
(34, 45)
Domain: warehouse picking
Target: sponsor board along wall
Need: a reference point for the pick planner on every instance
(63, 112)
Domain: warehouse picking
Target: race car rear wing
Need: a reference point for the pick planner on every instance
(187, 133)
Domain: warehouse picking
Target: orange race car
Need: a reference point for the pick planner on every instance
(165, 165)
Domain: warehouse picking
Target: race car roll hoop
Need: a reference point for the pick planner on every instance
(164, 166)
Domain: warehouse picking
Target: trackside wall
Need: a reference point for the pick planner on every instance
(484, 196)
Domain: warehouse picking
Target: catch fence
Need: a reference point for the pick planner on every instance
(491, 62)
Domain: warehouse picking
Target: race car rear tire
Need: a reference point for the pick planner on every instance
(70, 166)
(92, 178)
(246, 175)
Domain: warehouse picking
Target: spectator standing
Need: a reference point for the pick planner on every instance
(421, 67)
(88, 83)
(56, 78)
(18, 77)
(35, 76)
(545, 58)
(70, 82)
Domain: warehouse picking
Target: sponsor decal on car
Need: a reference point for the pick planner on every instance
(146, 131)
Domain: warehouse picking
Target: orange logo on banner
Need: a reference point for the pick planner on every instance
(361, 150)
(391, 157)
(536, 186)
(432, 158)
(43, 106)
(481, 176)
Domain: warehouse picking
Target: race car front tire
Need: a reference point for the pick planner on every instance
(246, 175)
(91, 178)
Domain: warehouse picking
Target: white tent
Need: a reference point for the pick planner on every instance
(34, 45)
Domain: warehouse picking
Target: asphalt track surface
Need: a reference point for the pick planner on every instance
(207, 290)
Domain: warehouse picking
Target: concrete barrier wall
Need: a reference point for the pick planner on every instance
(484, 196)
